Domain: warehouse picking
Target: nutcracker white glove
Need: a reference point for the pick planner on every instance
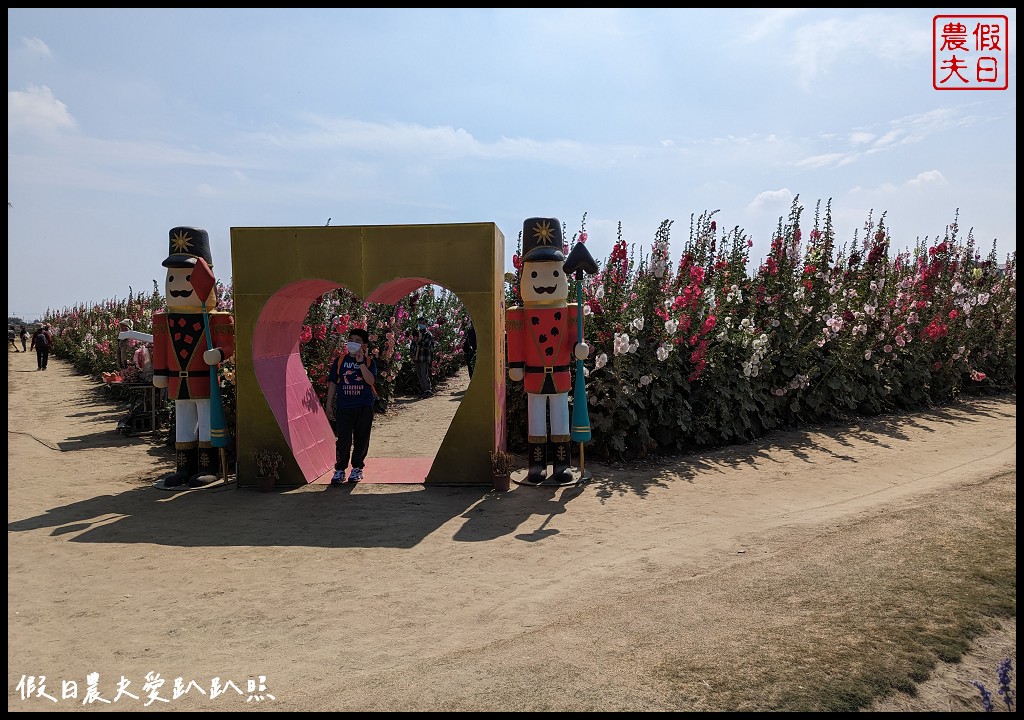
(212, 356)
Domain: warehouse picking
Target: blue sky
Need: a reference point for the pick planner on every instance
(125, 123)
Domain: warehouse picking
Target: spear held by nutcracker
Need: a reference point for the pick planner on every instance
(203, 281)
(579, 261)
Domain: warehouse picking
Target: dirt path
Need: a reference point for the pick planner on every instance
(385, 597)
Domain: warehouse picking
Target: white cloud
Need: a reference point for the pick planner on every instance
(818, 46)
(922, 125)
(417, 142)
(771, 198)
(37, 109)
(770, 23)
(888, 139)
(35, 46)
(929, 176)
(823, 160)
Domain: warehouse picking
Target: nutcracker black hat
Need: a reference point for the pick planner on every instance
(187, 245)
(542, 240)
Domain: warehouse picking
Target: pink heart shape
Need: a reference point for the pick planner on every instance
(282, 377)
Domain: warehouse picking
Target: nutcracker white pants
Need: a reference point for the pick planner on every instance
(538, 407)
(192, 420)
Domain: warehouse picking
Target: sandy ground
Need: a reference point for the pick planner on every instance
(378, 597)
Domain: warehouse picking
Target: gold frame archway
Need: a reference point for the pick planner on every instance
(279, 271)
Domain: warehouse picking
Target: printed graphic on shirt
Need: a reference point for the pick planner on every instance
(353, 390)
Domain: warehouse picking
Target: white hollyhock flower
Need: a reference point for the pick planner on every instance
(620, 344)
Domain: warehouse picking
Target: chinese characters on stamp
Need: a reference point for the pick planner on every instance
(970, 52)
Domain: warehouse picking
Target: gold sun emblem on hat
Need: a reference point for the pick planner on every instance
(181, 242)
(543, 233)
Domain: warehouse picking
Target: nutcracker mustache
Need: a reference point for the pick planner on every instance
(542, 290)
(181, 293)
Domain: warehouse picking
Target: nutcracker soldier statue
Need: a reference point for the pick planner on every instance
(542, 340)
(182, 359)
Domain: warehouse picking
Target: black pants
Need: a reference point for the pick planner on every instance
(423, 374)
(353, 427)
(42, 355)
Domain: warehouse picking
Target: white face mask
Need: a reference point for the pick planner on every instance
(353, 347)
(422, 327)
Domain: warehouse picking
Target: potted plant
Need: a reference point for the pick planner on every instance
(267, 464)
(502, 465)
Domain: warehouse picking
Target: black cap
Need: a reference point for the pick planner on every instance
(187, 245)
(542, 240)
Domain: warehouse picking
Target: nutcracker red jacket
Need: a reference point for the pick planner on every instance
(541, 341)
(178, 346)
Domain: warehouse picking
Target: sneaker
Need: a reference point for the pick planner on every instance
(356, 475)
(338, 478)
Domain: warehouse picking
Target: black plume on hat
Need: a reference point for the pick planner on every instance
(187, 245)
(542, 240)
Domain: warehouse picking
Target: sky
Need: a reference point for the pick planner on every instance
(125, 123)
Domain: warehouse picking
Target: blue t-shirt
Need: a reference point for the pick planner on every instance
(353, 390)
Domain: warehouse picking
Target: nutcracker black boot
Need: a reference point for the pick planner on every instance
(186, 460)
(562, 460)
(538, 461)
(208, 468)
